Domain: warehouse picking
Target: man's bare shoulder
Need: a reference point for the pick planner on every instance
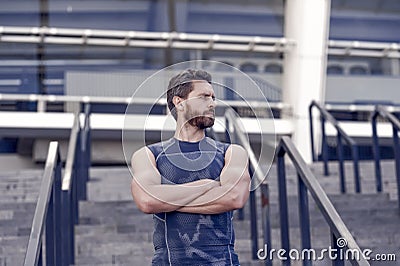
(142, 155)
(236, 150)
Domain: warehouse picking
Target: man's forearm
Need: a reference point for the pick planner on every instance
(214, 207)
(217, 200)
(166, 198)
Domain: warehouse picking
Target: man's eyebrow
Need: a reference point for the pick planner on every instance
(207, 94)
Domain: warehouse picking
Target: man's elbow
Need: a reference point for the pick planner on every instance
(240, 193)
(144, 202)
(238, 199)
(146, 205)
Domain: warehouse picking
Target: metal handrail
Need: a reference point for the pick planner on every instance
(234, 129)
(182, 40)
(60, 248)
(383, 112)
(357, 107)
(308, 182)
(326, 116)
(74, 187)
(69, 197)
(47, 215)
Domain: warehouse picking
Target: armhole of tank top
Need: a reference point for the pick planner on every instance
(226, 147)
(153, 151)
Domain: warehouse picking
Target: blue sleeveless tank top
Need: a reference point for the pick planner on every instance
(186, 238)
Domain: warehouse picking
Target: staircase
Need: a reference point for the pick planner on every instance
(18, 196)
(372, 218)
(113, 232)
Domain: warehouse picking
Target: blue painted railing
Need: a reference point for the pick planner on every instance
(233, 134)
(381, 111)
(47, 215)
(308, 183)
(61, 212)
(341, 135)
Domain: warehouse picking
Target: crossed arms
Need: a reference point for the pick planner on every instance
(205, 196)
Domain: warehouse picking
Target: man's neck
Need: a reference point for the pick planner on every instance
(189, 133)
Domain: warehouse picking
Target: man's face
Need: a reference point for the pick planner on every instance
(200, 105)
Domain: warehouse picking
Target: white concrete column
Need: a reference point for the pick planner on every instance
(304, 72)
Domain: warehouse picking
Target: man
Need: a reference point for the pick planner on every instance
(191, 183)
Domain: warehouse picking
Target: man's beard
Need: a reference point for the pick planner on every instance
(201, 121)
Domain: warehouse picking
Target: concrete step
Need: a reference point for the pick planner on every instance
(112, 227)
(24, 174)
(18, 195)
(12, 186)
(115, 249)
(14, 259)
(108, 228)
(18, 206)
(19, 198)
(120, 260)
(14, 230)
(133, 237)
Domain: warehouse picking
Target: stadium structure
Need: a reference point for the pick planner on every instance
(308, 87)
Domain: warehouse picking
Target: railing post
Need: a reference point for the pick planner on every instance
(337, 261)
(79, 167)
(283, 206)
(339, 151)
(253, 221)
(57, 212)
(375, 149)
(227, 125)
(85, 144)
(231, 138)
(74, 197)
(40, 256)
(396, 148)
(304, 219)
(267, 225)
(65, 224)
(50, 230)
(252, 195)
(71, 228)
(314, 157)
(324, 147)
(354, 151)
(241, 212)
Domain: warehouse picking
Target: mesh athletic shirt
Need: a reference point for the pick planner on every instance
(186, 238)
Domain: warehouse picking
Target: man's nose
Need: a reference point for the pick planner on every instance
(212, 103)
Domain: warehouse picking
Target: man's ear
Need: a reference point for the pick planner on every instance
(178, 102)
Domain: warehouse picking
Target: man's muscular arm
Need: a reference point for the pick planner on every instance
(233, 191)
(153, 197)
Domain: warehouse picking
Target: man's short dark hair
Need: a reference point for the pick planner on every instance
(181, 85)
